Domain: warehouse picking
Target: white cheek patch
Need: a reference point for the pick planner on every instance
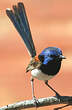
(39, 75)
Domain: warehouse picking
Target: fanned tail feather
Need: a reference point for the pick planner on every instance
(20, 21)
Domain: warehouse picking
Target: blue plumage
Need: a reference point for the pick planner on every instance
(50, 53)
(51, 60)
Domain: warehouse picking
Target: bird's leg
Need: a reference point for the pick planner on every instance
(33, 96)
(32, 85)
(57, 94)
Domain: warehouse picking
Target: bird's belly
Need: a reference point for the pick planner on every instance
(36, 73)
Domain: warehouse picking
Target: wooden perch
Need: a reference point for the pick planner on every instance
(41, 102)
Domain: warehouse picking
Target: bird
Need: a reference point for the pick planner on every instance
(47, 64)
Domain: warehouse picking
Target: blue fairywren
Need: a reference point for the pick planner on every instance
(47, 64)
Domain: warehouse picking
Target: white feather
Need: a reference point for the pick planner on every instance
(8, 9)
(36, 73)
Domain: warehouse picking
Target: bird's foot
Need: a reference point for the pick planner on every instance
(58, 96)
(35, 101)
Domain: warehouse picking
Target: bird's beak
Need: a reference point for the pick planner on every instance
(62, 57)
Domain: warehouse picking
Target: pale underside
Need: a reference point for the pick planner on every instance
(36, 73)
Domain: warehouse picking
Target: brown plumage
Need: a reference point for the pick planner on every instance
(34, 63)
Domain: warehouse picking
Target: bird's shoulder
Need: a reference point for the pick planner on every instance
(34, 63)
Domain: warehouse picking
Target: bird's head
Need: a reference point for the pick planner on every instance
(51, 54)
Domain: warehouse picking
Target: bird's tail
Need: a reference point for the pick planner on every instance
(20, 21)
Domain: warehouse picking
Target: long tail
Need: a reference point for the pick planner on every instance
(20, 21)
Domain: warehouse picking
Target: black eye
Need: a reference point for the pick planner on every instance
(41, 58)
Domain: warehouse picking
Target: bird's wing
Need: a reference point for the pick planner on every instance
(20, 21)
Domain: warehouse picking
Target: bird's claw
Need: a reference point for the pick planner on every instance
(35, 101)
(58, 95)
